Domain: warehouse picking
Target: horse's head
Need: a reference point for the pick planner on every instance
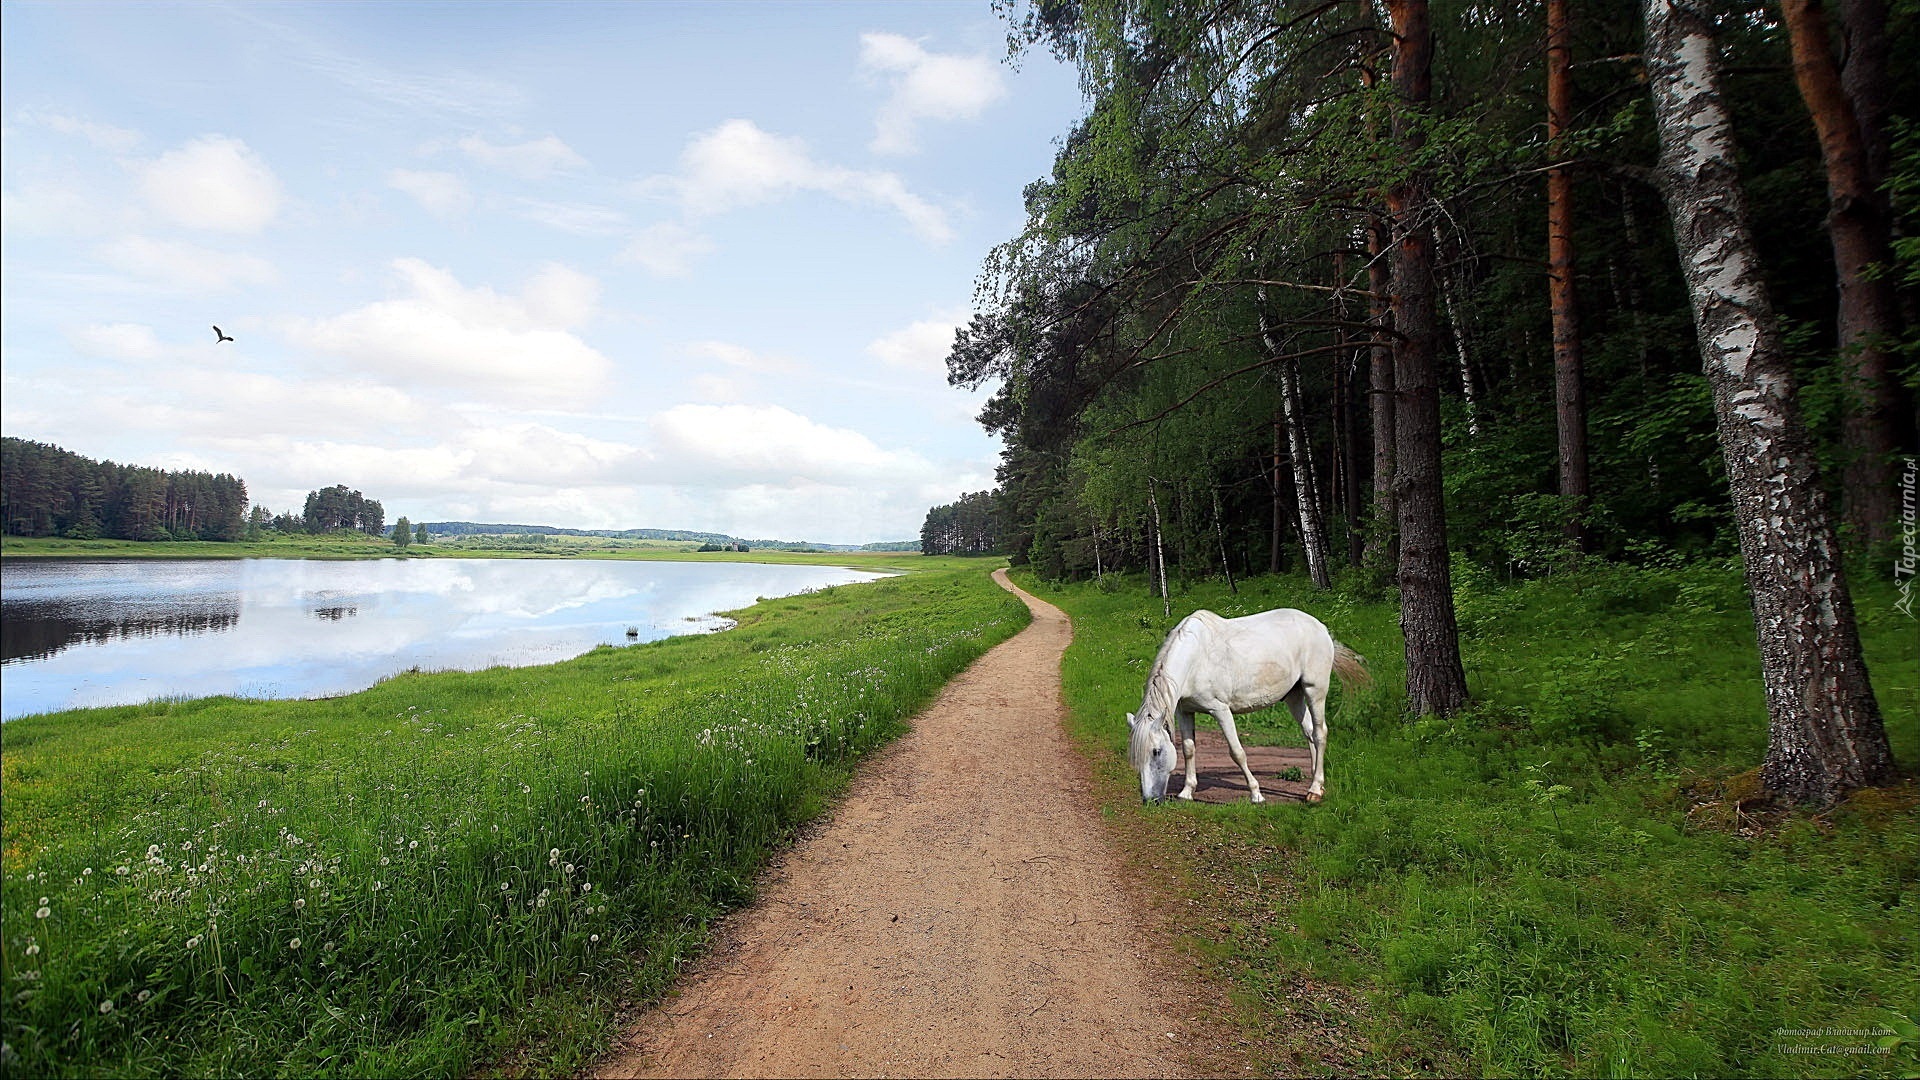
(1151, 753)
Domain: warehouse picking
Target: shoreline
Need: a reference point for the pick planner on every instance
(337, 550)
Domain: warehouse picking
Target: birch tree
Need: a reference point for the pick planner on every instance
(1825, 735)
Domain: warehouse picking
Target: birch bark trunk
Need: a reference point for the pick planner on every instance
(1313, 530)
(1825, 735)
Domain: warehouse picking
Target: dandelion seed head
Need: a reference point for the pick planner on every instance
(588, 887)
(43, 912)
(554, 854)
(33, 949)
(300, 903)
(193, 942)
(44, 900)
(412, 844)
(142, 996)
(384, 860)
(88, 872)
(106, 1007)
(594, 938)
(294, 944)
(569, 868)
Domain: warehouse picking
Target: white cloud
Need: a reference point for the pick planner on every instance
(475, 339)
(535, 159)
(580, 219)
(921, 346)
(61, 207)
(739, 356)
(730, 445)
(213, 182)
(738, 164)
(716, 389)
(183, 266)
(667, 249)
(441, 194)
(925, 86)
(114, 140)
(117, 341)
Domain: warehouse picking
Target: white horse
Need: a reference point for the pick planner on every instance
(1215, 665)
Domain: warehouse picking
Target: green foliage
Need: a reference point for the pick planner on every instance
(1562, 880)
(47, 491)
(402, 533)
(448, 872)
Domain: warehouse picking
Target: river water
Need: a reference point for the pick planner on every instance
(84, 632)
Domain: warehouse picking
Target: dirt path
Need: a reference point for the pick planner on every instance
(960, 915)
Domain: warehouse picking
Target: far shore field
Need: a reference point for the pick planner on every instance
(359, 546)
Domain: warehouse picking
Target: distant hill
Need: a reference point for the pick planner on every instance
(473, 528)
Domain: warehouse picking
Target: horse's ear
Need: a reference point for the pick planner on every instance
(1130, 720)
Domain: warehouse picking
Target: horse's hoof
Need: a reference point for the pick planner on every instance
(1187, 795)
(1313, 796)
(1257, 797)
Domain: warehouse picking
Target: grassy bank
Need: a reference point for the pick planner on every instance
(447, 873)
(1576, 877)
(362, 546)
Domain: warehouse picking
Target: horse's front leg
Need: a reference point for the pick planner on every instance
(1227, 728)
(1185, 721)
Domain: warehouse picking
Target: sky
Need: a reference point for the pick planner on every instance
(638, 265)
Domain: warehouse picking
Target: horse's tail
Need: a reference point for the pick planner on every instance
(1350, 666)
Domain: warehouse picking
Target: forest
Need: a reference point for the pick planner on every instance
(1390, 293)
(970, 525)
(47, 491)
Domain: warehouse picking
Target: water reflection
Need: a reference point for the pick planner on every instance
(98, 632)
(32, 631)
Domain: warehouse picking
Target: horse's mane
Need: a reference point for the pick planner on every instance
(1160, 696)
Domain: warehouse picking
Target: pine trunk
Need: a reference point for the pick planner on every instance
(1274, 551)
(1825, 735)
(1383, 548)
(1436, 682)
(1857, 225)
(1569, 381)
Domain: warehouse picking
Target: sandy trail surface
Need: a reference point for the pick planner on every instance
(962, 913)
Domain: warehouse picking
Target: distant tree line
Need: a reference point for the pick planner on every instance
(48, 491)
(968, 526)
(339, 509)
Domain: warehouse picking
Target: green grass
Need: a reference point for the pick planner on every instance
(1564, 880)
(396, 882)
(362, 546)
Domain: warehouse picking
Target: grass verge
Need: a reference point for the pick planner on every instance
(1576, 877)
(447, 873)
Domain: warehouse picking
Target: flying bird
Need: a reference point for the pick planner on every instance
(219, 337)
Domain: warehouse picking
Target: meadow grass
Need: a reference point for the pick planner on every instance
(1571, 878)
(446, 874)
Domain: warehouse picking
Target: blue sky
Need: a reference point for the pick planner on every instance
(608, 265)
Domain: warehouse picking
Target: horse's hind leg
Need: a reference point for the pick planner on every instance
(1298, 701)
(1185, 722)
(1315, 726)
(1227, 728)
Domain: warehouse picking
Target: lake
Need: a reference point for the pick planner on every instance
(84, 632)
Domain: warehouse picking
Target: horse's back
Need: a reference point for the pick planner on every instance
(1256, 659)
